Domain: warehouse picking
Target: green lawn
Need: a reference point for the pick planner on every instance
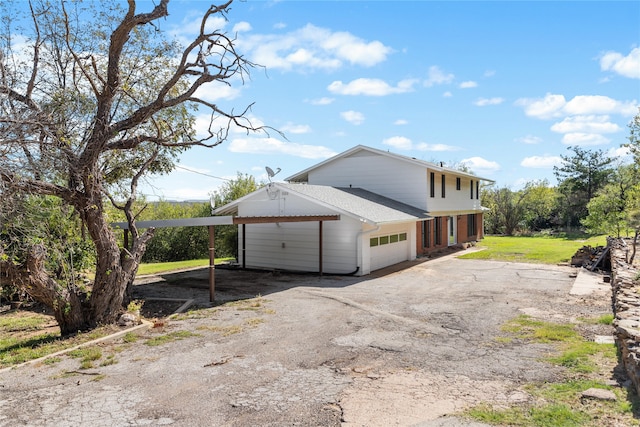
(163, 267)
(537, 249)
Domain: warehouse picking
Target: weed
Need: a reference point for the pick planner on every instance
(130, 337)
(98, 377)
(253, 321)
(51, 360)
(605, 319)
(526, 328)
(135, 306)
(109, 360)
(487, 414)
(87, 356)
(171, 336)
(578, 356)
(224, 330)
(557, 415)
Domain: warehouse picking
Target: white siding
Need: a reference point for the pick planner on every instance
(386, 176)
(294, 246)
(454, 200)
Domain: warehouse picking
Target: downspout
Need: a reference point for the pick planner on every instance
(358, 238)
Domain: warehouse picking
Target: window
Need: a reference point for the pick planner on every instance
(432, 183)
(384, 240)
(471, 187)
(402, 236)
(457, 183)
(477, 189)
(393, 238)
(373, 241)
(442, 184)
(438, 230)
(471, 225)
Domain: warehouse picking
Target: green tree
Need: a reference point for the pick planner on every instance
(634, 138)
(227, 235)
(580, 176)
(506, 213)
(177, 243)
(539, 203)
(97, 99)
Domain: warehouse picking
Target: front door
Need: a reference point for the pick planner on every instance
(452, 231)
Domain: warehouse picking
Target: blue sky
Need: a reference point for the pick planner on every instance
(504, 87)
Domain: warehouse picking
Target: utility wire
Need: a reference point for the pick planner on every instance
(201, 173)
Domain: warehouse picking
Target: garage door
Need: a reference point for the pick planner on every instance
(388, 250)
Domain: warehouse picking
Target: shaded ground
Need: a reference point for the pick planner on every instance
(399, 347)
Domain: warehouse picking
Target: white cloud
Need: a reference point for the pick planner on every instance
(275, 146)
(322, 101)
(627, 66)
(468, 84)
(403, 143)
(529, 139)
(586, 124)
(214, 91)
(598, 104)
(438, 77)
(480, 165)
(398, 142)
(553, 105)
(313, 47)
(489, 73)
(280, 25)
(241, 27)
(541, 162)
(424, 146)
(401, 122)
(447, 94)
(353, 117)
(483, 102)
(579, 138)
(295, 129)
(620, 153)
(370, 87)
(548, 107)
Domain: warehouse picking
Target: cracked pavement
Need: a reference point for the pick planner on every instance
(401, 347)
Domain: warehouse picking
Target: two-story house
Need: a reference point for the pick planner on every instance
(359, 211)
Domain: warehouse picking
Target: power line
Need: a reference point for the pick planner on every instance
(202, 173)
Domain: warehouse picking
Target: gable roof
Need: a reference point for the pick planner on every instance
(354, 202)
(303, 176)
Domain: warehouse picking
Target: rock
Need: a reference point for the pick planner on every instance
(127, 319)
(598, 394)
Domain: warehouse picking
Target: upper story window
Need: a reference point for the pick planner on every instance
(471, 188)
(432, 183)
(458, 183)
(477, 189)
(443, 186)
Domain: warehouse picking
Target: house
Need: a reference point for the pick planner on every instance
(359, 211)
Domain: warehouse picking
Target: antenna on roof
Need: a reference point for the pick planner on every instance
(271, 173)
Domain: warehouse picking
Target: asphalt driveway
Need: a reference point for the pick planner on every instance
(410, 346)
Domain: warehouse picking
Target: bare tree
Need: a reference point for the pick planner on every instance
(99, 99)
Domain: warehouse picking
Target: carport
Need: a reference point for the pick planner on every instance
(212, 221)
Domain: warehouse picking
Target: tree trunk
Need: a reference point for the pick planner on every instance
(69, 308)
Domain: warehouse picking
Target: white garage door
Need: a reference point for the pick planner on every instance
(388, 250)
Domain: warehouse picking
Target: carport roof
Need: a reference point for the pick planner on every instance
(354, 202)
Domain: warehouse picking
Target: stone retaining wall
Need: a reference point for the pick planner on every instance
(626, 307)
